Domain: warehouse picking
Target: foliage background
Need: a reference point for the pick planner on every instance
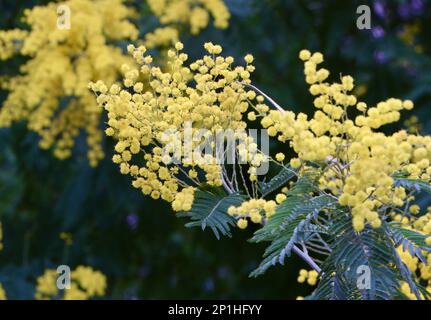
(138, 243)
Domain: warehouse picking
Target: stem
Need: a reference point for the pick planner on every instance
(298, 251)
(307, 259)
(225, 184)
(266, 96)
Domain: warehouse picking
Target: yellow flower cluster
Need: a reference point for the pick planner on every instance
(420, 269)
(86, 283)
(51, 93)
(255, 209)
(410, 33)
(46, 287)
(413, 125)
(158, 126)
(2, 293)
(10, 42)
(309, 276)
(175, 13)
(360, 160)
(161, 36)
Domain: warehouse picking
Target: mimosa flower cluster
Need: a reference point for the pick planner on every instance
(360, 160)
(51, 93)
(185, 98)
(340, 143)
(86, 283)
(175, 13)
(309, 276)
(2, 293)
(357, 163)
(421, 268)
(258, 210)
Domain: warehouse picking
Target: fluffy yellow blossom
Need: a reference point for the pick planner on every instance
(355, 164)
(195, 13)
(414, 209)
(413, 125)
(155, 125)
(51, 93)
(420, 269)
(67, 238)
(295, 163)
(304, 55)
(242, 223)
(86, 283)
(256, 209)
(309, 276)
(2, 293)
(92, 282)
(248, 58)
(161, 36)
(280, 198)
(279, 157)
(361, 160)
(46, 286)
(11, 42)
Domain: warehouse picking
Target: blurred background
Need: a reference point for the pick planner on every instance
(138, 243)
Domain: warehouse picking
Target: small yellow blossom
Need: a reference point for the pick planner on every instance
(242, 223)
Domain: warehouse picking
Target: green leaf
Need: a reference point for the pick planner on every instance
(291, 223)
(278, 181)
(335, 287)
(372, 248)
(210, 210)
(416, 238)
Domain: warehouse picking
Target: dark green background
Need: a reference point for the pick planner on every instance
(41, 196)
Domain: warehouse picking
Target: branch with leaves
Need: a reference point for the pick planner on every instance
(344, 204)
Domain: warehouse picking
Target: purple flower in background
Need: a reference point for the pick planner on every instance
(209, 285)
(412, 71)
(173, 280)
(417, 7)
(133, 221)
(380, 56)
(379, 9)
(144, 271)
(404, 10)
(346, 45)
(377, 32)
(222, 272)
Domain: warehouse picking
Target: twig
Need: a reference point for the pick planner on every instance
(266, 96)
(307, 259)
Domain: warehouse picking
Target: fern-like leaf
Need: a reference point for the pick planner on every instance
(210, 210)
(410, 240)
(290, 224)
(350, 251)
(278, 181)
